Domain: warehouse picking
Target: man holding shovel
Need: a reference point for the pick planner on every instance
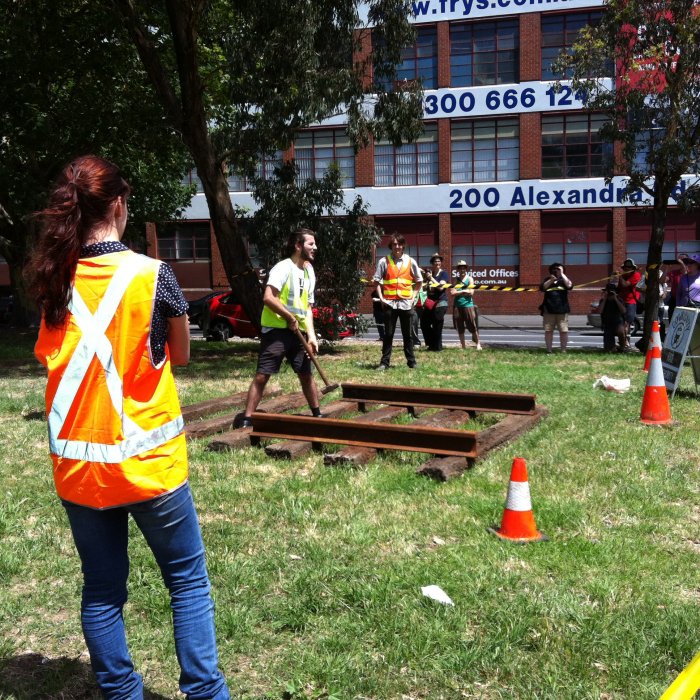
(288, 298)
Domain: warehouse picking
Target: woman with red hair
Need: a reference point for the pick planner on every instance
(113, 323)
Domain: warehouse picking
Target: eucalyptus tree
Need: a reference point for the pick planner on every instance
(237, 79)
(653, 105)
(70, 85)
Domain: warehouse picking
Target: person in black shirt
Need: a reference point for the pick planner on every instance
(612, 317)
(555, 307)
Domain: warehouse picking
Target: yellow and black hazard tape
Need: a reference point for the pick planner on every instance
(476, 287)
(482, 287)
(505, 288)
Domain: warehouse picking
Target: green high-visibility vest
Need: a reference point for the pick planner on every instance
(296, 306)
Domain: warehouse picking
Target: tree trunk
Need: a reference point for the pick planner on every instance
(187, 115)
(656, 242)
(234, 256)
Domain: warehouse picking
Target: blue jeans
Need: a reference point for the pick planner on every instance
(169, 524)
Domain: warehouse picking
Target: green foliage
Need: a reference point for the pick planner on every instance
(345, 239)
(72, 84)
(654, 100)
(273, 68)
(239, 80)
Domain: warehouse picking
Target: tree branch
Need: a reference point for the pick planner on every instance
(151, 61)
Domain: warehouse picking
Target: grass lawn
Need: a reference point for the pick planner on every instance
(317, 571)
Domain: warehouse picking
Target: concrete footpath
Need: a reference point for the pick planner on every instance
(512, 321)
(522, 321)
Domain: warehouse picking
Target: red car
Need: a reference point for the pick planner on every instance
(227, 318)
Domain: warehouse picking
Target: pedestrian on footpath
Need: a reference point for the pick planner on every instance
(435, 305)
(627, 280)
(555, 306)
(612, 319)
(688, 292)
(113, 323)
(288, 299)
(464, 311)
(397, 280)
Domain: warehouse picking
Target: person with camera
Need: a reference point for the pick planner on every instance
(464, 311)
(688, 292)
(612, 316)
(627, 280)
(435, 305)
(555, 306)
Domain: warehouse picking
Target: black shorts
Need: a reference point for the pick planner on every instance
(275, 345)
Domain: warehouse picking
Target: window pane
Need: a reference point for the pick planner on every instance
(559, 32)
(484, 54)
(485, 150)
(314, 151)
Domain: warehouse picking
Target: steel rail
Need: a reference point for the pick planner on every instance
(378, 435)
(492, 401)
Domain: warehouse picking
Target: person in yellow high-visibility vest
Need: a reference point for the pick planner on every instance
(113, 323)
(288, 299)
(397, 279)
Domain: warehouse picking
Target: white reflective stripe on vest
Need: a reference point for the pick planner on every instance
(519, 496)
(296, 310)
(114, 454)
(295, 293)
(93, 342)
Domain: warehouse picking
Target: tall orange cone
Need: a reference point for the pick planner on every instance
(655, 407)
(518, 524)
(655, 342)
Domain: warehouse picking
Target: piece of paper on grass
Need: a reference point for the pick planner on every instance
(618, 385)
(436, 593)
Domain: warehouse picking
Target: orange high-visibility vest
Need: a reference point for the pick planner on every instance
(398, 282)
(116, 431)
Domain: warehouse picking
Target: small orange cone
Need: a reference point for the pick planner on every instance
(518, 524)
(655, 407)
(655, 342)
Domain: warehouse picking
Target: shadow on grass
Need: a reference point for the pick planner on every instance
(21, 368)
(37, 677)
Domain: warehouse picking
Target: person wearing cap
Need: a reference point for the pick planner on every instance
(674, 273)
(628, 278)
(464, 312)
(555, 306)
(688, 293)
(397, 279)
(435, 305)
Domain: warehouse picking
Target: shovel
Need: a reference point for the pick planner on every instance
(309, 351)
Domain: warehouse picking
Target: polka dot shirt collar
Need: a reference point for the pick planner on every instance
(102, 248)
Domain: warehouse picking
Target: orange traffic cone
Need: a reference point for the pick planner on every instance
(655, 406)
(655, 342)
(518, 524)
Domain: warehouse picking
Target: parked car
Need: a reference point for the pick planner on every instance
(196, 306)
(594, 317)
(227, 318)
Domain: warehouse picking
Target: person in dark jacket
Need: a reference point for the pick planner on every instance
(612, 316)
(555, 307)
(435, 306)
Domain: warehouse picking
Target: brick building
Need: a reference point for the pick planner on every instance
(507, 174)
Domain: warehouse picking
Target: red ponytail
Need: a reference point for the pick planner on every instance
(79, 202)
